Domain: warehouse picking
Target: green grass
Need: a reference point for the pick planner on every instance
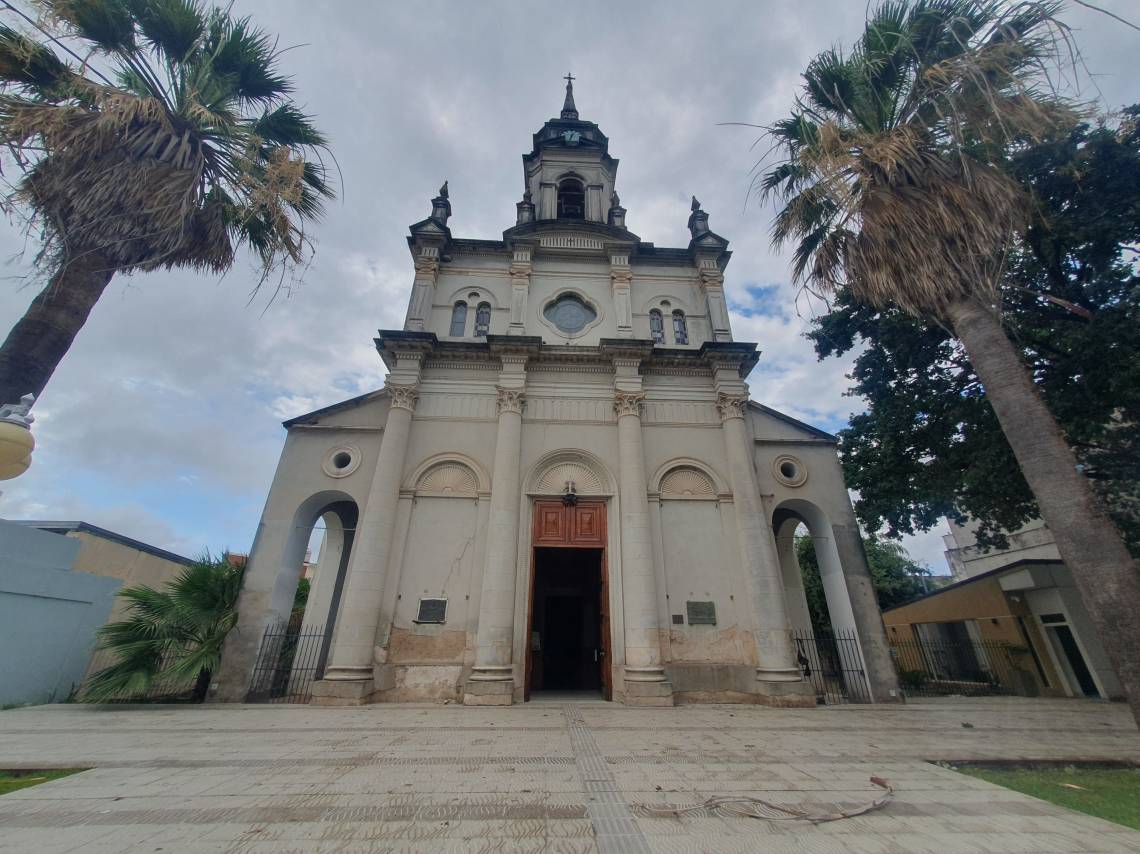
(10, 781)
(1109, 793)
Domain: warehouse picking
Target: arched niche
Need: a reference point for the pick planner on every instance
(681, 473)
(550, 474)
(449, 474)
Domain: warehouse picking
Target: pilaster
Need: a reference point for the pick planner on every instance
(621, 277)
(521, 267)
(644, 674)
(711, 279)
(492, 677)
(349, 677)
(779, 680)
(423, 286)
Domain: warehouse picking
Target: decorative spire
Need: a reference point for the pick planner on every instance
(441, 206)
(569, 111)
(698, 220)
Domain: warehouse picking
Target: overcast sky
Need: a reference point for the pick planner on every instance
(163, 422)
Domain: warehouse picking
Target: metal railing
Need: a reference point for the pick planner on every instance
(833, 663)
(970, 668)
(292, 657)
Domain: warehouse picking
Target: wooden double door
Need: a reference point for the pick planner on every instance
(568, 642)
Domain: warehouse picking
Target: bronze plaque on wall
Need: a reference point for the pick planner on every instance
(701, 613)
(432, 611)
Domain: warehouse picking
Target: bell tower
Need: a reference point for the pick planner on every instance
(569, 174)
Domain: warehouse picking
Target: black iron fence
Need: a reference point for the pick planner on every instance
(292, 657)
(833, 663)
(935, 668)
(161, 688)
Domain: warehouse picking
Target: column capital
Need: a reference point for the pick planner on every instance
(731, 405)
(402, 396)
(511, 399)
(628, 403)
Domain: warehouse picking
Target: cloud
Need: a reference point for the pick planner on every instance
(163, 422)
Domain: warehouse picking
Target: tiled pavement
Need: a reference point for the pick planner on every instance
(544, 777)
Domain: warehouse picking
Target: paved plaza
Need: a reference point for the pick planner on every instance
(547, 776)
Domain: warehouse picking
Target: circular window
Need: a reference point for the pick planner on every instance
(341, 462)
(789, 470)
(570, 314)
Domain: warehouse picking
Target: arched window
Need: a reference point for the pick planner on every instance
(482, 320)
(459, 319)
(680, 332)
(571, 199)
(656, 327)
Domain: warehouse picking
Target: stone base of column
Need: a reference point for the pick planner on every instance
(482, 692)
(784, 693)
(648, 693)
(343, 692)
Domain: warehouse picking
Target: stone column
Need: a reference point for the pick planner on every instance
(778, 677)
(644, 674)
(492, 677)
(349, 678)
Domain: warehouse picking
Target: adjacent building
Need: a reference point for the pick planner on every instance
(58, 585)
(564, 484)
(1021, 598)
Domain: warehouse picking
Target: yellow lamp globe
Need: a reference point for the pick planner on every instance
(16, 440)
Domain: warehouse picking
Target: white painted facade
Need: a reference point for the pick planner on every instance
(436, 476)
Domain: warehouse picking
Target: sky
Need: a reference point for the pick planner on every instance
(163, 422)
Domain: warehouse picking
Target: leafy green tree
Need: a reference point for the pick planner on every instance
(172, 638)
(928, 444)
(891, 175)
(896, 577)
(149, 134)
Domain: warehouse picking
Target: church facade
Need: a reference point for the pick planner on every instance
(563, 484)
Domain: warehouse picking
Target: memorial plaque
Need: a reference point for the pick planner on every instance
(432, 611)
(701, 613)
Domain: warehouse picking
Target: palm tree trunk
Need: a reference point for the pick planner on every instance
(1105, 573)
(41, 338)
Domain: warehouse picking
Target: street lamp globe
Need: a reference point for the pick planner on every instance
(16, 440)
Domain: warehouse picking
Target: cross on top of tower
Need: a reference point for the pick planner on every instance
(569, 111)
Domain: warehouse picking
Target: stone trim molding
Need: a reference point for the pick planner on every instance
(731, 405)
(341, 461)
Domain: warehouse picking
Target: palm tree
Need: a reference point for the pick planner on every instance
(172, 638)
(148, 134)
(891, 184)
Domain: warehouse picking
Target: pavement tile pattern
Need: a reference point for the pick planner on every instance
(545, 777)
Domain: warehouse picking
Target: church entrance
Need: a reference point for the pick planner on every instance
(568, 649)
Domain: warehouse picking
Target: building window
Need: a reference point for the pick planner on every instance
(656, 327)
(570, 314)
(680, 332)
(459, 319)
(482, 320)
(571, 199)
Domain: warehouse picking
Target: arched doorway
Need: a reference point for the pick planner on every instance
(818, 602)
(306, 599)
(568, 631)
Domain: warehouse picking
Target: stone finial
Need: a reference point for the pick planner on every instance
(698, 220)
(525, 209)
(441, 206)
(19, 413)
(569, 110)
(617, 212)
